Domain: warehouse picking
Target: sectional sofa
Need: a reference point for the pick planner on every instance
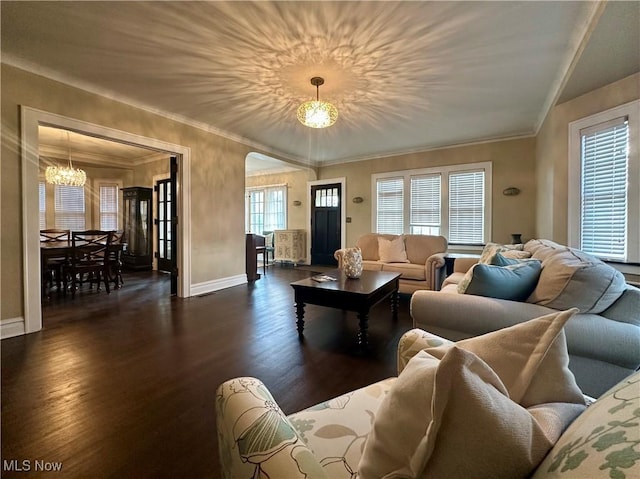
(603, 339)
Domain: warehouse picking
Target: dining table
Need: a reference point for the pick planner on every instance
(60, 250)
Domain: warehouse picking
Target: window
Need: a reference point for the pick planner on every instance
(451, 201)
(266, 208)
(69, 207)
(42, 203)
(390, 194)
(466, 207)
(604, 184)
(108, 206)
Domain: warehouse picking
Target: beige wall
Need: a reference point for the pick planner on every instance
(143, 174)
(513, 165)
(552, 152)
(217, 180)
(296, 182)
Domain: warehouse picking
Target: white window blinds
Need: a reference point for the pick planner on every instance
(390, 198)
(69, 207)
(42, 203)
(425, 204)
(108, 206)
(466, 207)
(604, 157)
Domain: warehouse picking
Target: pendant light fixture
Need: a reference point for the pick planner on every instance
(66, 175)
(316, 113)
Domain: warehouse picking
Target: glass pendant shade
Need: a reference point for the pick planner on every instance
(65, 175)
(316, 113)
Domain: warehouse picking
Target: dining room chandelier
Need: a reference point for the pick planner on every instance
(316, 113)
(66, 175)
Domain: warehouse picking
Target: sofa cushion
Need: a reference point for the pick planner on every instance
(514, 282)
(472, 412)
(572, 278)
(603, 441)
(369, 265)
(421, 247)
(507, 258)
(530, 360)
(368, 244)
(488, 253)
(336, 430)
(408, 270)
(392, 251)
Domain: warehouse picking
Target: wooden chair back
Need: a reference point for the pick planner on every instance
(54, 235)
(90, 247)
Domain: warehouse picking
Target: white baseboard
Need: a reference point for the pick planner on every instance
(217, 284)
(11, 327)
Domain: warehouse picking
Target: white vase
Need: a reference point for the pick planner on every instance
(352, 262)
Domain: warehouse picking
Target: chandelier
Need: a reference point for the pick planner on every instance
(316, 113)
(66, 175)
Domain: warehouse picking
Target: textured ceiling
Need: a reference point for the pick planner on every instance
(405, 76)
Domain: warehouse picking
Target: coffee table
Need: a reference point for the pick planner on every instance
(358, 295)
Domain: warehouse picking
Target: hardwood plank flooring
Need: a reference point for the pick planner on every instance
(123, 385)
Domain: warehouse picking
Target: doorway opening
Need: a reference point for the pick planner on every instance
(32, 119)
(326, 219)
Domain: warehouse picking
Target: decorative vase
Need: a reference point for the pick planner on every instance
(352, 262)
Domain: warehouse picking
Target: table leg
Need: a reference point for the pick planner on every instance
(300, 317)
(363, 334)
(395, 299)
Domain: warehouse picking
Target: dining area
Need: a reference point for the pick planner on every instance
(73, 261)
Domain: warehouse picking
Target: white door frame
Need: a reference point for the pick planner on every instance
(31, 118)
(343, 210)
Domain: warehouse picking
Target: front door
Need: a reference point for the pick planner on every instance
(325, 223)
(166, 223)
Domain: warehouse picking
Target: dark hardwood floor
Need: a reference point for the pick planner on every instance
(123, 385)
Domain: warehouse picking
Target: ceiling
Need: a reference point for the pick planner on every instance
(405, 76)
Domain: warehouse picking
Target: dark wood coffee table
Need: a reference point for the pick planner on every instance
(358, 295)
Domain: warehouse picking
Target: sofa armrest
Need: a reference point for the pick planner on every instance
(413, 341)
(462, 265)
(255, 438)
(434, 270)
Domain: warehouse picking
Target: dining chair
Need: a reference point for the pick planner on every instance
(53, 268)
(115, 258)
(90, 256)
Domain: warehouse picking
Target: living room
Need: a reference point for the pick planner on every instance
(533, 159)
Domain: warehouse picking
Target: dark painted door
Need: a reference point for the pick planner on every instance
(325, 223)
(166, 223)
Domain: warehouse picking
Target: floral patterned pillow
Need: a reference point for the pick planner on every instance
(603, 442)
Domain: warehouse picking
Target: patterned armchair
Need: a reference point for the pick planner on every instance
(256, 439)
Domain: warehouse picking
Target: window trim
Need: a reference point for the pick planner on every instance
(632, 111)
(444, 171)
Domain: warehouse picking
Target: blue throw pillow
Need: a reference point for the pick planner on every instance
(514, 282)
(499, 259)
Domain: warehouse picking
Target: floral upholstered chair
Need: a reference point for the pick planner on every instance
(256, 439)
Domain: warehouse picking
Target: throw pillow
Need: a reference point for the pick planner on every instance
(488, 253)
(530, 360)
(514, 282)
(392, 251)
(472, 412)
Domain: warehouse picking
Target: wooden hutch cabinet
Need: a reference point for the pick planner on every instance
(138, 233)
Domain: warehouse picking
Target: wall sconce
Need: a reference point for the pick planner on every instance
(358, 199)
(297, 202)
(511, 191)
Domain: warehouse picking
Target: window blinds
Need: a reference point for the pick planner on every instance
(42, 203)
(604, 157)
(390, 198)
(69, 207)
(425, 204)
(108, 207)
(466, 207)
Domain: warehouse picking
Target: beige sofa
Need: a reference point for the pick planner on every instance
(326, 441)
(603, 339)
(425, 255)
